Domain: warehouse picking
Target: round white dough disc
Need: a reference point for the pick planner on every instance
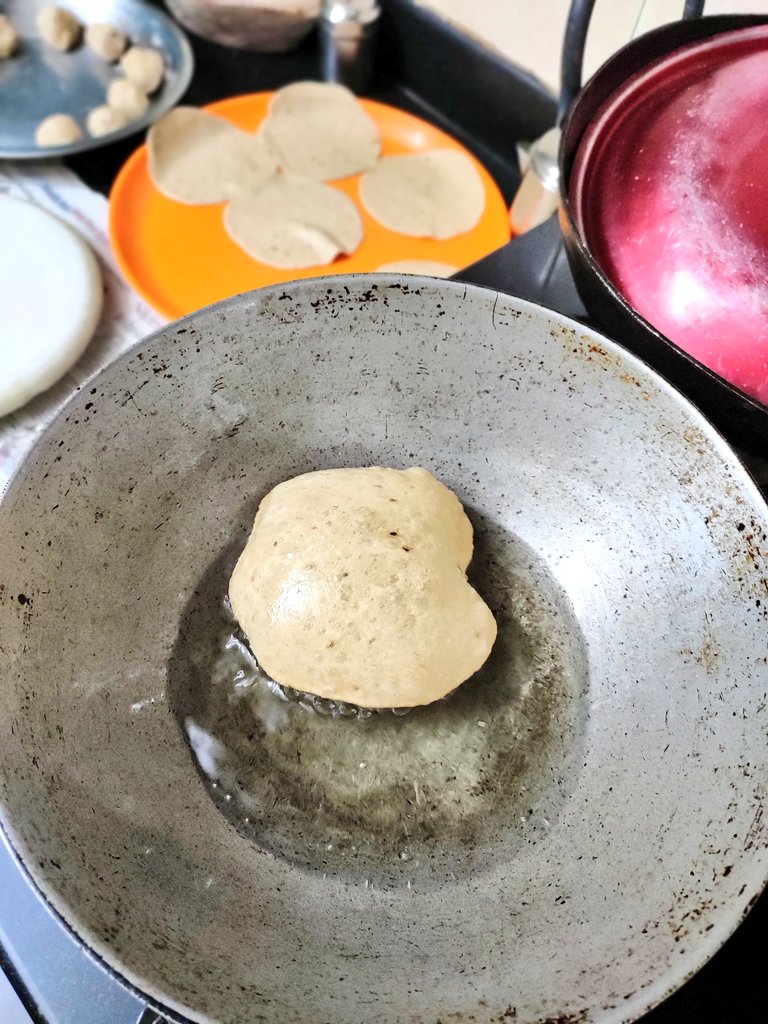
(50, 300)
(437, 194)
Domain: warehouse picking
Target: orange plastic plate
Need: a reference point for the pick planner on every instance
(179, 258)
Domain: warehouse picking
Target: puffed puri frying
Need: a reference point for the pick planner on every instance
(353, 587)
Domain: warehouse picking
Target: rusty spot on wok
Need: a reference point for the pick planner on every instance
(566, 1018)
(755, 832)
(707, 656)
(509, 1016)
(696, 439)
(681, 927)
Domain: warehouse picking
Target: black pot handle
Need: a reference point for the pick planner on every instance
(572, 60)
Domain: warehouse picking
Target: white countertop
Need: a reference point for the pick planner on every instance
(530, 32)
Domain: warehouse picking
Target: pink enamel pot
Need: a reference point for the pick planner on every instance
(664, 179)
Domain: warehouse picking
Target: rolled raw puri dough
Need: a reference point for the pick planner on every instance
(319, 130)
(352, 587)
(59, 27)
(294, 222)
(437, 194)
(50, 297)
(198, 158)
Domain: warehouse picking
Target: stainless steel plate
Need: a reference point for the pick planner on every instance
(38, 80)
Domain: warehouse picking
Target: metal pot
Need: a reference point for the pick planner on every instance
(744, 418)
(570, 837)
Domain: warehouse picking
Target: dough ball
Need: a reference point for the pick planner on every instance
(126, 97)
(107, 41)
(429, 268)
(58, 130)
(294, 222)
(430, 195)
(104, 120)
(352, 586)
(144, 67)
(59, 27)
(320, 130)
(198, 158)
(9, 38)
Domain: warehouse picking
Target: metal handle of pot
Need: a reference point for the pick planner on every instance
(537, 197)
(572, 60)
